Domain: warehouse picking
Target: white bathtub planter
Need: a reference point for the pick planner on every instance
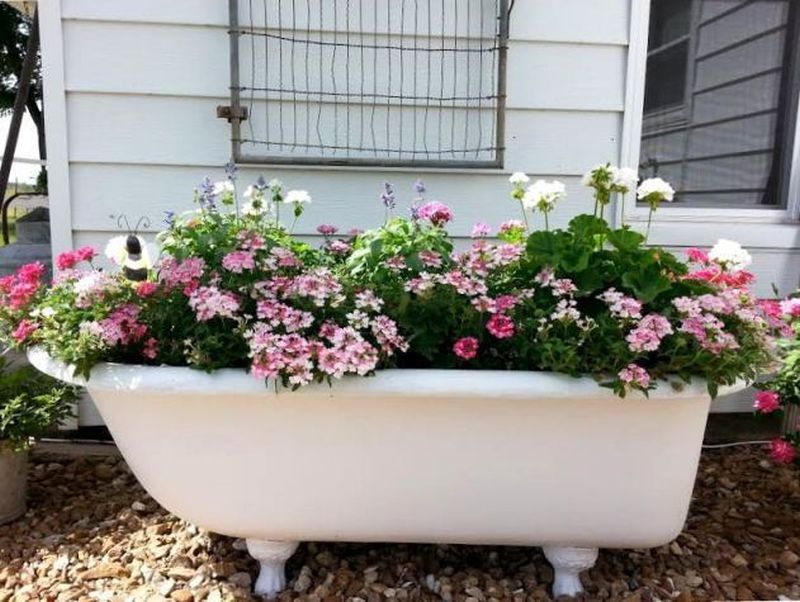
(427, 456)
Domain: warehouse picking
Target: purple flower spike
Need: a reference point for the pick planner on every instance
(387, 197)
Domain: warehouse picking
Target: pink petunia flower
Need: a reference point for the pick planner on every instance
(466, 348)
(500, 326)
(767, 401)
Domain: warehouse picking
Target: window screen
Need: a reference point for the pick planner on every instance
(368, 82)
(721, 99)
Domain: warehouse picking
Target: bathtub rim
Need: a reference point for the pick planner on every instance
(389, 383)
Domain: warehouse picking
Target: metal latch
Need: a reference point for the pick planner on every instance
(228, 112)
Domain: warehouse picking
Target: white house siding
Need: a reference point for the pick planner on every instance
(142, 79)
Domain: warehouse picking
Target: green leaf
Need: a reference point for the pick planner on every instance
(587, 226)
(625, 240)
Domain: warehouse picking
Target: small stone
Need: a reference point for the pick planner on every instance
(103, 471)
(788, 559)
(182, 595)
(166, 587)
(241, 579)
(695, 581)
(739, 561)
(105, 571)
(138, 506)
(240, 545)
(676, 549)
(182, 573)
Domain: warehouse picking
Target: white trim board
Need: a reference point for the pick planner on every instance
(55, 117)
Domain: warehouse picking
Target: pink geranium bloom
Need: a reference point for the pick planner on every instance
(697, 255)
(500, 326)
(31, 273)
(150, 350)
(239, 261)
(436, 213)
(767, 401)
(782, 451)
(66, 260)
(327, 229)
(145, 289)
(466, 348)
(86, 253)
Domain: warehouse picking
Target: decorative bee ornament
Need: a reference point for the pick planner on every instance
(130, 252)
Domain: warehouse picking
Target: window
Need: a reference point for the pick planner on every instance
(368, 82)
(721, 96)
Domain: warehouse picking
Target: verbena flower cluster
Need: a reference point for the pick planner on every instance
(232, 287)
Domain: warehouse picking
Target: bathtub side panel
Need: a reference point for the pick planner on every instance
(589, 472)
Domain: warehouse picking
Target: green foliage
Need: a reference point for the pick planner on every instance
(30, 403)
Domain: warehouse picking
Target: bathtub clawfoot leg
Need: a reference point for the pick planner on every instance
(567, 565)
(272, 555)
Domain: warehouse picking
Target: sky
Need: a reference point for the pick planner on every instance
(26, 148)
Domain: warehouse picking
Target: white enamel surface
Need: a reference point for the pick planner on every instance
(408, 455)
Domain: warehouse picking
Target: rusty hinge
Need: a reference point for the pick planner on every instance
(227, 112)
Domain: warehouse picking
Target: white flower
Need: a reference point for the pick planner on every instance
(625, 179)
(253, 192)
(605, 173)
(223, 187)
(519, 178)
(543, 195)
(253, 208)
(730, 254)
(655, 190)
(297, 197)
(275, 184)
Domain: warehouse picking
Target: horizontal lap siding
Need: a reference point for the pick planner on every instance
(143, 80)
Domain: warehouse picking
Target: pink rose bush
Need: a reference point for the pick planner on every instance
(233, 288)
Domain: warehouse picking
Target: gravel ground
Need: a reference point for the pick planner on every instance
(92, 533)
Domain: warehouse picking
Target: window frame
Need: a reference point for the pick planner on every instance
(632, 127)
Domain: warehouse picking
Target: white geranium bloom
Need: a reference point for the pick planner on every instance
(543, 195)
(252, 191)
(297, 197)
(590, 177)
(519, 178)
(254, 208)
(730, 254)
(275, 184)
(655, 189)
(625, 179)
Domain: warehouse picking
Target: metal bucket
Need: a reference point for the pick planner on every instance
(13, 483)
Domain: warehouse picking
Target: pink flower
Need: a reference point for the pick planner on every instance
(327, 229)
(790, 307)
(635, 375)
(648, 333)
(150, 350)
(436, 213)
(239, 261)
(505, 302)
(31, 273)
(466, 348)
(209, 302)
(395, 263)
(86, 253)
(480, 230)
(697, 255)
(66, 260)
(430, 259)
(500, 326)
(511, 226)
(122, 327)
(767, 401)
(145, 289)
(23, 330)
(782, 451)
(174, 273)
(339, 247)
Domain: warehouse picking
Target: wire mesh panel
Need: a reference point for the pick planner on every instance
(368, 82)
